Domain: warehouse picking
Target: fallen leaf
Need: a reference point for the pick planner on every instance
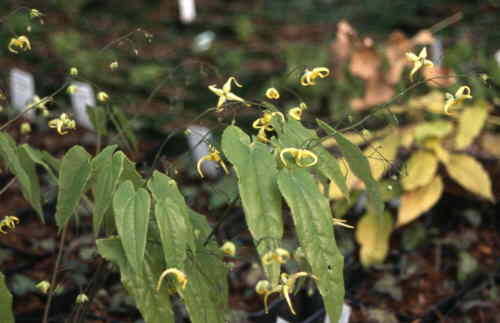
(491, 144)
(470, 174)
(381, 154)
(420, 170)
(414, 203)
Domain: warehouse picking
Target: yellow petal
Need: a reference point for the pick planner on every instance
(419, 171)
(470, 174)
(416, 202)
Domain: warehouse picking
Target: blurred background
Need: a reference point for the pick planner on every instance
(441, 260)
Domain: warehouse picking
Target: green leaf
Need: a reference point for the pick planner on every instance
(73, 177)
(38, 157)
(6, 315)
(359, 165)
(173, 220)
(97, 116)
(105, 187)
(21, 165)
(294, 135)
(207, 276)
(99, 162)
(132, 219)
(206, 294)
(130, 172)
(256, 170)
(154, 306)
(122, 124)
(313, 222)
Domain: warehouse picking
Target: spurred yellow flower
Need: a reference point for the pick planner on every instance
(264, 124)
(272, 94)
(34, 13)
(43, 286)
(286, 287)
(62, 124)
(309, 76)
(21, 42)
(296, 113)
(179, 275)
(463, 93)
(214, 155)
(10, 222)
(73, 71)
(419, 61)
(229, 248)
(102, 96)
(225, 93)
(279, 255)
(300, 156)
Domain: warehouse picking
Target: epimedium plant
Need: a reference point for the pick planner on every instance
(160, 245)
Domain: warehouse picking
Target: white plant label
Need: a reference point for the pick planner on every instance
(22, 90)
(437, 52)
(187, 11)
(281, 320)
(83, 96)
(198, 137)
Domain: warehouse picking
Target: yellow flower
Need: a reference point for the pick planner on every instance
(10, 222)
(102, 96)
(82, 298)
(73, 71)
(262, 287)
(71, 89)
(34, 13)
(113, 65)
(462, 93)
(286, 287)
(342, 223)
(229, 248)
(296, 113)
(43, 286)
(25, 128)
(62, 124)
(264, 124)
(272, 94)
(310, 75)
(300, 155)
(41, 104)
(179, 275)
(419, 61)
(225, 93)
(279, 255)
(21, 42)
(214, 155)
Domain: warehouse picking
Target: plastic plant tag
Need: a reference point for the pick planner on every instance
(22, 90)
(187, 11)
(437, 52)
(198, 138)
(84, 96)
(281, 320)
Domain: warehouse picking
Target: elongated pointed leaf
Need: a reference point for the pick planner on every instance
(154, 306)
(293, 134)
(105, 187)
(359, 165)
(99, 162)
(73, 177)
(132, 223)
(6, 315)
(173, 220)
(256, 170)
(130, 172)
(38, 157)
(21, 165)
(206, 294)
(313, 222)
